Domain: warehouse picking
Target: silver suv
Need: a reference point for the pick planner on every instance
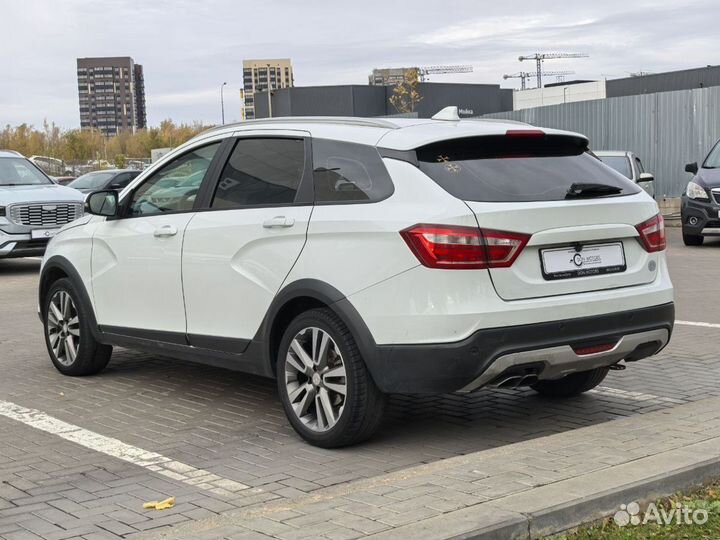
(32, 207)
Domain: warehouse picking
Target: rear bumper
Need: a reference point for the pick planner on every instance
(490, 356)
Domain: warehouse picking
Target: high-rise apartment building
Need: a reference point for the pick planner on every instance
(259, 74)
(111, 94)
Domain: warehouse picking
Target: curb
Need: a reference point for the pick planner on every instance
(562, 508)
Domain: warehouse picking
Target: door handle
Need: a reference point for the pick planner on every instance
(165, 231)
(279, 222)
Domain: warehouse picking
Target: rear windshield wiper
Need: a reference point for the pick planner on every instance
(580, 189)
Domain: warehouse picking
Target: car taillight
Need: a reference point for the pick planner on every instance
(652, 233)
(450, 246)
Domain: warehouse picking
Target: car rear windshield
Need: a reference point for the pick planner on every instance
(620, 163)
(516, 169)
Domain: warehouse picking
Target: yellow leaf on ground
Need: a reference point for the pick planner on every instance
(160, 505)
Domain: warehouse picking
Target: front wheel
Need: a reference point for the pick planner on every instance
(68, 336)
(571, 385)
(326, 390)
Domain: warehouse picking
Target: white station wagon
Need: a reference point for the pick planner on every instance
(350, 258)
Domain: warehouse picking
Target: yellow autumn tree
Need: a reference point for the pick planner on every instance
(405, 94)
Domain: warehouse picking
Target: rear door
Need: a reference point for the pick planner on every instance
(237, 253)
(577, 243)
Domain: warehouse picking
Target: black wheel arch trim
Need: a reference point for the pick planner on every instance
(326, 294)
(58, 262)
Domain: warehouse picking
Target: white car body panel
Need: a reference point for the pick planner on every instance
(428, 305)
(354, 246)
(136, 276)
(558, 223)
(233, 266)
(74, 243)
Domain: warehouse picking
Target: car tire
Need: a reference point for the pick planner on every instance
(693, 239)
(571, 385)
(325, 387)
(69, 337)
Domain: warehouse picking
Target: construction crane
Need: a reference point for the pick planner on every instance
(524, 75)
(540, 57)
(424, 71)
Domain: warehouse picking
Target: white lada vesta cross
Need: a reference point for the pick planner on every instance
(351, 258)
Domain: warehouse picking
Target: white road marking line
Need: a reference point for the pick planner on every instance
(635, 396)
(151, 461)
(703, 324)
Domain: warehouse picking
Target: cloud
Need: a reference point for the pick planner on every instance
(189, 48)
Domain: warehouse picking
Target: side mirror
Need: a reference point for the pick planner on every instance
(692, 167)
(102, 203)
(646, 177)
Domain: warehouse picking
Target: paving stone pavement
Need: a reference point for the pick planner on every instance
(490, 484)
(233, 426)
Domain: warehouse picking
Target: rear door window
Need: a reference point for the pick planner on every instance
(261, 171)
(516, 169)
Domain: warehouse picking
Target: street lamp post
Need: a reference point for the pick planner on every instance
(222, 102)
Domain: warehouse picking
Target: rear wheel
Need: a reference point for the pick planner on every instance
(692, 239)
(68, 336)
(326, 390)
(571, 385)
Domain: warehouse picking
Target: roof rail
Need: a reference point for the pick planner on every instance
(347, 120)
(13, 152)
(497, 120)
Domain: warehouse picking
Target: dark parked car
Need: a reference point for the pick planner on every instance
(109, 179)
(700, 208)
(63, 180)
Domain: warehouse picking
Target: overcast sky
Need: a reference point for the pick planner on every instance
(188, 48)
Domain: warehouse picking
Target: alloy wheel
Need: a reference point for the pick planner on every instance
(63, 328)
(315, 379)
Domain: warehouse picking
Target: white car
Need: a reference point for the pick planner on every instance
(629, 165)
(352, 258)
(32, 207)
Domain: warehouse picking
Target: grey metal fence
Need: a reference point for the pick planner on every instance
(666, 130)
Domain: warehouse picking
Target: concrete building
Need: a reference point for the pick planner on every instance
(258, 75)
(371, 100)
(111, 94)
(557, 94)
